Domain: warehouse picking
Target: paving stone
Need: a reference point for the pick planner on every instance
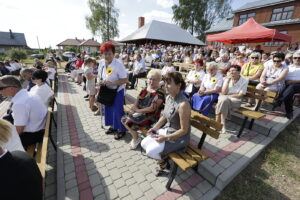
(71, 184)
(126, 175)
(139, 177)
(72, 194)
(111, 192)
(119, 183)
(225, 163)
(158, 187)
(101, 197)
(97, 190)
(204, 186)
(130, 181)
(94, 180)
(123, 191)
(135, 191)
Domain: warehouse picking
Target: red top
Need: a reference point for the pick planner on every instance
(79, 63)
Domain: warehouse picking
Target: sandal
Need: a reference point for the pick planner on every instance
(135, 143)
(119, 135)
(110, 130)
(162, 166)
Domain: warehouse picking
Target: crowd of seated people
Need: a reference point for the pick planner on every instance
(220, 76)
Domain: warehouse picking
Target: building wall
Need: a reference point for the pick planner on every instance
(263, 15)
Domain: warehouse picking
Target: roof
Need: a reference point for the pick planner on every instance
(90, 43)
(224, 25)
(17, 40)
(71, 42)
(157, 30)
(260, 4)
(282, 22)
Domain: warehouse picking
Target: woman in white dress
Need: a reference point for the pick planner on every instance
(194, 78)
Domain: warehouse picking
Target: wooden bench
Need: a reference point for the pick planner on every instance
(193, 155)
(261, 96)
(39, 151)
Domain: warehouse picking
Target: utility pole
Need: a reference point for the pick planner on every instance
(37, 38)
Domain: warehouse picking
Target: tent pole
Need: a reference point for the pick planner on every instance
(272, 40)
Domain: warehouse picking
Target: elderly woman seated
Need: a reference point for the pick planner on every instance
(234, 88)
(209, 90)
(172, 131)
(273, 76)
(146, 110)
(194, 78)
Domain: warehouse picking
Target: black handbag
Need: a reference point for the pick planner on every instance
(106, 96)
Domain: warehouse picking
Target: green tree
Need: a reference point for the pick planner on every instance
(104, 19)
(16, 53)
(197, 16)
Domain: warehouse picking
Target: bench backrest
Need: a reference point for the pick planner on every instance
(261, 95)
(207, 125)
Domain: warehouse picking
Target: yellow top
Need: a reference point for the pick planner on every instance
(250, 70)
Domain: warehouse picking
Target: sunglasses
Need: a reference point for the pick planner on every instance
(277, 61)
(4, 87)
(296, 58)
(254, 57)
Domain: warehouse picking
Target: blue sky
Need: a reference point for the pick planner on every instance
(56, 20)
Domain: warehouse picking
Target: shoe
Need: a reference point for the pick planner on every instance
(119, 135)
(110, 130)
(97, 113)
(275, 105)
(135, 143)
(249, 105)
(289, 115)
(223, 130)
(86, 96)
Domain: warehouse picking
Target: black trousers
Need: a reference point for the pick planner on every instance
(28, 138)
(132, 78)
(287, 95)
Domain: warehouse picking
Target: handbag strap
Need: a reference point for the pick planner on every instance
(101, 77)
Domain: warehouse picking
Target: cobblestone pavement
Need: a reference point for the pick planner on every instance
(92, 165)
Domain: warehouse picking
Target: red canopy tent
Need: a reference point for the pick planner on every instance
(250, 32)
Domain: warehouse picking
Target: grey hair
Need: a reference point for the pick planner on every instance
(27, 70)
(211, 65)
(296, 52)
(10, 80)
(154, 73)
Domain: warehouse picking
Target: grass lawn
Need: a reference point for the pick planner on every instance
(274, 174)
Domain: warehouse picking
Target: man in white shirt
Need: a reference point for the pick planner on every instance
(139, 70)
(292, 82)
(28, 111)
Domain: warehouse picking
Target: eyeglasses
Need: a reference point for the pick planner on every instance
(277, 61)
(4, 87)
(296, 58)
(254, 57)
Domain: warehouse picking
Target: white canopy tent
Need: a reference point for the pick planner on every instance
(157, 31)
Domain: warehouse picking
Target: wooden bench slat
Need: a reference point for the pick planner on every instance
(250, 113)
(199, 151)
(194, 155)
(207, 130)
(212, 123)
(188, 158)
(179, 161)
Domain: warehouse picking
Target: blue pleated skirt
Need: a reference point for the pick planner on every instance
(203, 104)
(114, 113)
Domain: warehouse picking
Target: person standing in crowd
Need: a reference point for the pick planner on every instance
(292, 82)
(272, 77)
(90, 64)
(41, 88)
(139, 70)
(26, 75)
(113, 75)
(50, 69)
(28, 111)
(209, 90)
(194, 78)
(230, 98)
(172, 131)
(19, 174)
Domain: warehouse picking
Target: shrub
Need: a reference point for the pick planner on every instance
(16, 53)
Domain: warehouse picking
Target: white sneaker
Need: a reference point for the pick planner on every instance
(135, 143)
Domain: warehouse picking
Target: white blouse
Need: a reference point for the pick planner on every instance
(211, 82)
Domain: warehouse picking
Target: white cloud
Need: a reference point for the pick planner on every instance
(165, 3)
(158, 15)
(125, 29)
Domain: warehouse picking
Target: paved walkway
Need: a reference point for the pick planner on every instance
(92, 165)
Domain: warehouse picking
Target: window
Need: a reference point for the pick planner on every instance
(275, 43)
(245, 17)
(282, 13)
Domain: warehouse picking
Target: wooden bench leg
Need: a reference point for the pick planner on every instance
(201, 140)
(172, 175)
(242, 127)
